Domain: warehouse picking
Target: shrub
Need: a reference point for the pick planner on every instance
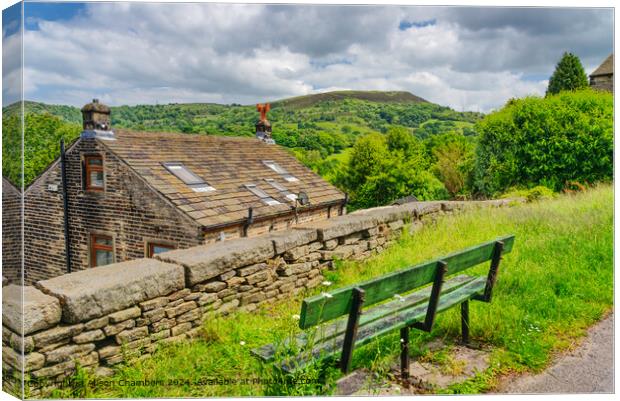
(383, 168)
(546, 141)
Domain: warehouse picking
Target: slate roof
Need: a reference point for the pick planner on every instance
(225, 163)
(606, 68)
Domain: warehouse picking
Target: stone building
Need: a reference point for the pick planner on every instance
(603, 77)
(135, 194)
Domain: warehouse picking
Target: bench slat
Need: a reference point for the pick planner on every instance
(320, 308)
(337, 327)
(395, 321)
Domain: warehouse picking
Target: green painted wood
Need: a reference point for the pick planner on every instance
(331, 347)
(337, 326)
(322, 308)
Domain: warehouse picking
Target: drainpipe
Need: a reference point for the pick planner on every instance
(344, 204)
(249, 221)
(65, 204)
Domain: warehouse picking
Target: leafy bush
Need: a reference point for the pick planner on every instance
(383, 168)
(546, 141)
(41, 144)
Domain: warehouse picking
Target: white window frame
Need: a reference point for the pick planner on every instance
(268, 200)
(283, 190)
(280, 170)
(197, 184)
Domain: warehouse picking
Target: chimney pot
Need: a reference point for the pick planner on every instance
(96, 120)
(263, 126)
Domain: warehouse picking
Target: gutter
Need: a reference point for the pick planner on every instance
(206, 229)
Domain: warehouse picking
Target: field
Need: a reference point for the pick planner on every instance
(557, 282)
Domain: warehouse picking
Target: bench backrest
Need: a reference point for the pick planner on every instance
(321, 308)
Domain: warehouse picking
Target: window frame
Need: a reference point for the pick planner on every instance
(94, 247)
(197, 183)
(274, 166)
(88, 186)
(262, 195)
(150, 245)
(282, 189)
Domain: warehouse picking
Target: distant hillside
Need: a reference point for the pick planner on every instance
(370, 96)
(315, 126)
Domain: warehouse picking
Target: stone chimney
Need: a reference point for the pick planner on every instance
(263, 126)
(96, 121)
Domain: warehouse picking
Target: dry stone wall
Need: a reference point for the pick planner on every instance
(100, 317)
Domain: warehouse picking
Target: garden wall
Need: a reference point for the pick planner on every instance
(103, 316)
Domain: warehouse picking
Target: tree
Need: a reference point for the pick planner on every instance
(568, 75)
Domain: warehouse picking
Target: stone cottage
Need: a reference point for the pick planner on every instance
(603, 77)
(135, 194)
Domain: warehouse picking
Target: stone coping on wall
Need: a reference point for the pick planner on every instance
(92, 293)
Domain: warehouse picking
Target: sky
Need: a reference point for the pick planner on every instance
(468, 58)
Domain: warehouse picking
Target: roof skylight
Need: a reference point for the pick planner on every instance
(287, 194)
(184, 174)
(261, 194)
(280, 170)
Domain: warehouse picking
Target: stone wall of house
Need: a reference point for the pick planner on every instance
(602, 82)
(11, 233)
(128, 211)
(99, 317)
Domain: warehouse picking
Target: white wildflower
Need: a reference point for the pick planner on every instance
(241, 342)
(326, 283)
(296, 317)
(327, 295)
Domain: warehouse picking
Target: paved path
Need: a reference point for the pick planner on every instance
(587, 369)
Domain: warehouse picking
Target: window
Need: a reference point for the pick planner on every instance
(188, 177)
(94, 173)
(278, 169)
(285, 192)
(101, 250)
(154, 248)
(262, 195)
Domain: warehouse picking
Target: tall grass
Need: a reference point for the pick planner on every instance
(557, 281)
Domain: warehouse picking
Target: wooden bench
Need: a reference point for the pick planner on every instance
(338, 322)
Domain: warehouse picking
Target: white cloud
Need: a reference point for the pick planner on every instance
(129, 53)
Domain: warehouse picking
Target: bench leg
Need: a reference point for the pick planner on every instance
(465, 321)
(351, 333)
(404, 352)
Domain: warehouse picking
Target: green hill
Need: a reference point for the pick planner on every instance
(371, 96)
(313, 126)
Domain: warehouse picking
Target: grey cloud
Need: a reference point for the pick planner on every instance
(141, 52)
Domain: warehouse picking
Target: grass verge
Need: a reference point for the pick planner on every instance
(557, 281)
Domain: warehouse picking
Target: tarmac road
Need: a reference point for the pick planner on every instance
(587, 369)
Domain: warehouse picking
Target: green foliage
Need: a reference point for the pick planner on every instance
(383, 168)
(41, 144)
(453, 157)
(568, 75)
(537, 193)
(546, 141)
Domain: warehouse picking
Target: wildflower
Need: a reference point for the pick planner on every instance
(327, 295)
(399, 297)
(326, 283)
(296, 317)
(241, 342)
